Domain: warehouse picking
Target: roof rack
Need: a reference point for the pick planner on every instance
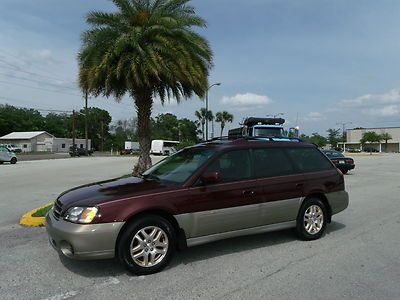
(270, 138)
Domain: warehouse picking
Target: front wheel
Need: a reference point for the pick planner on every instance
(147, 245)
(312, 218)
(13, 160)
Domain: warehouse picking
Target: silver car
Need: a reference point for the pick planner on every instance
(7, 156)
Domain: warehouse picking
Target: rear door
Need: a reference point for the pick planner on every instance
(233, 203)
(281, 186)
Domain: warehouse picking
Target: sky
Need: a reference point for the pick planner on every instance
(317, 63)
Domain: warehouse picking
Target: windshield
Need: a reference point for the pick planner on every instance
(180, 166)
(268, 132)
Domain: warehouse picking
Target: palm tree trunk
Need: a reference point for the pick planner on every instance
(143, 102)
(222, 130)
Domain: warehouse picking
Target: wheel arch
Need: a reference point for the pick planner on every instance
(324, 200)
(180, 233)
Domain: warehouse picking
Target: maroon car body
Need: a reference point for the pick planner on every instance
(200, 210)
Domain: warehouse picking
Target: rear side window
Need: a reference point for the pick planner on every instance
(309, 159)
(270, 162)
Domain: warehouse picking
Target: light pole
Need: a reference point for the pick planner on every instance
(215, 84)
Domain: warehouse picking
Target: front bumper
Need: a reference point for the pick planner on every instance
(83, 241)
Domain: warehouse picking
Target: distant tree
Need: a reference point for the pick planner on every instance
(385, 137)
(370, 137)
(19, 119)
(58, 125)
(122, 131)
(187, 132)
(203, 116)
(165, 127)
(98, 127)
(223, 118)
(145, 48)
(305, 137)
(333, 137)
(318, 139)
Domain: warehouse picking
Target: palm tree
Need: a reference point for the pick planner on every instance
(203, 115)
(223, 118)
(385, 137)
(147, 48)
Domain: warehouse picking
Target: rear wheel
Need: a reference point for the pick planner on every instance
(147, 245)
(13, 160)
(312, 219)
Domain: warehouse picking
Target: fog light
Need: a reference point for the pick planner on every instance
(66, 249)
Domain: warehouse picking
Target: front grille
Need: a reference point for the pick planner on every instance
(57, 209)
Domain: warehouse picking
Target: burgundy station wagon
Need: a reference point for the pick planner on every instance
(211, 191)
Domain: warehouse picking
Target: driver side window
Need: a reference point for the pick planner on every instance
(232, 166)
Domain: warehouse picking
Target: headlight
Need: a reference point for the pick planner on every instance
(82, 215)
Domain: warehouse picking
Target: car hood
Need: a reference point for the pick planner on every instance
(106, 191)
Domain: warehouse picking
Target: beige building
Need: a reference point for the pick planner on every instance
(354, 136)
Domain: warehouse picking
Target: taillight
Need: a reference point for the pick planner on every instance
(349, 161)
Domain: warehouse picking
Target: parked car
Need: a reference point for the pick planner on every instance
(211, 191)
(7, 156)
(343, 163)
(12, 148)
(125, 152)
(75, 151)
(370, 149)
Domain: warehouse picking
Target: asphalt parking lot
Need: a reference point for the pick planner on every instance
(358, 258)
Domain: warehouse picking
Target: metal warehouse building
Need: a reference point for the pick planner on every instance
(41, 141)
(355, 135)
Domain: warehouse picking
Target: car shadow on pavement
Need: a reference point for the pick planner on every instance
(241, 244)
(93, 268)
(111, 267)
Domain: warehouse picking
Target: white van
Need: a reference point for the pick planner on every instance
(162, 147)
(7, 156)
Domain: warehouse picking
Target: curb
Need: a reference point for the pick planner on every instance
(29, 221)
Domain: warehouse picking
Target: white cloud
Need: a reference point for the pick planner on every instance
(378, 105)
(314, 116)
(248, 99)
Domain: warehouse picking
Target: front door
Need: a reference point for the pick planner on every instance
(231, 204)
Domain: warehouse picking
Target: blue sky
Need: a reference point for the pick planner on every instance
(326, 61)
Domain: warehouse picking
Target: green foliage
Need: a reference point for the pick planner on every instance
(43, 211)
(122, 131)
(203, 116)
(223, 118)
(385, 137)
(19, 119)
(145, 48)
(315, 138)
(333, 137)
(370, 137)
(169, 127)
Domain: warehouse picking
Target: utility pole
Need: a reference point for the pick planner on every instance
(344, 133)
(102, 136)
(73, 131)
(86, 124)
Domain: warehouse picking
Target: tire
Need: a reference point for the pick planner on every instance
(345, 171)
(13, 160)
(159, 250)
(311, 229)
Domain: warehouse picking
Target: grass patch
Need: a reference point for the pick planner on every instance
(42, 212)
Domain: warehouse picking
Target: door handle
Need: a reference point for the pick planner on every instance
(248, 193)
(299, 185)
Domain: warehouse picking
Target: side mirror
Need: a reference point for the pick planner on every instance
(210, 177)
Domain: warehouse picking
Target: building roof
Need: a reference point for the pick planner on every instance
(23, 135)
